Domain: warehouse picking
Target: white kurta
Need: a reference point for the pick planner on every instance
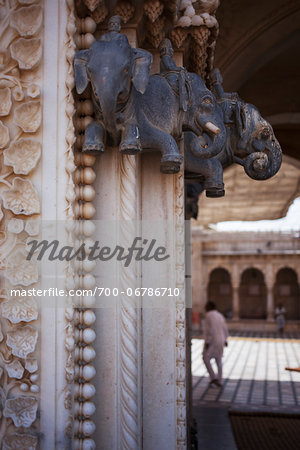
(215, 335)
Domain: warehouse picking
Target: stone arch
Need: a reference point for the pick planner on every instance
(219, 290)
(253, 294)
(287, 292)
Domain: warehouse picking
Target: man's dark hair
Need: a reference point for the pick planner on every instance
(210, 306)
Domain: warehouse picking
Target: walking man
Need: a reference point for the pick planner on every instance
(215, 338)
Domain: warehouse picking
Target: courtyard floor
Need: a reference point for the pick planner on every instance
(254, 379)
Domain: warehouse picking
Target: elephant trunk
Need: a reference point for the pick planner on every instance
(107, 92)
(263, 165)
(108, 109)
(208, 147)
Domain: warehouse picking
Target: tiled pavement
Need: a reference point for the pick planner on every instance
(254, 378)
(253, 374)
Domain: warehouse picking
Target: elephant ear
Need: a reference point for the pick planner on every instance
(142, 61)
(81, 76)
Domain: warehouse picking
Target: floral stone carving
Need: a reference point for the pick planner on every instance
(28, 116)
(4, 135)
(27, 21)
(15, 226)
(32, 227)
(19, 309)
(27, 52)
(22, 340)
(5, 101)
(22, 155)
(15, 369)
(21, 271)
(22, 198)
(33, 91)
(22, 410)
(16, 441)
(31, 365)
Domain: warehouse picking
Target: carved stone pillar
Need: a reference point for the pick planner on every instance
(235, 302)
(197, 275)
(235, 293)
(270, 279)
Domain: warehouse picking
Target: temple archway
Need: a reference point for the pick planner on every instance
(287, 292)
(253, 295)
(220, 291)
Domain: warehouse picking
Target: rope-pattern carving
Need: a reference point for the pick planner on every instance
(180, 315)
(129, 313)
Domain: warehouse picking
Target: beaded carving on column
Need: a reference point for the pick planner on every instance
(20, 144)
(129, 311)
(180, 314)
(84, 316)
(70, 197)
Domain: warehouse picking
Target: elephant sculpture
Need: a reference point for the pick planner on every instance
(149, 112)
(250, 142)
(115, 71)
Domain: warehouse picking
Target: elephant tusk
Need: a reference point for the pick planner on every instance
(211, 127)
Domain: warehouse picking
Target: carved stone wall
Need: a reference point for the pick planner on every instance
(21, 53)
(49, 386)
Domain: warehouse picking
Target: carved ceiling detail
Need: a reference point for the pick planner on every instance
(191, 25)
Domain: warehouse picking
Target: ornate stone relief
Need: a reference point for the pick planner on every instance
(18, 309)
(15, 441)
(20, 112)
(28, 116)
(27, 52)
(5, 101)
(23, 155)
(22, 198)
(21, 410)
(27, 21)
(181, 430)
(80, 334)
(4, 135)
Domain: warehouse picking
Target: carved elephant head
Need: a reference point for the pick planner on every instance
(256, 140)
(250, 138)
(204, 118)
(112, 67)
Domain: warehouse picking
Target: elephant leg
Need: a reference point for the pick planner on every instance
(153, 138)
(130, 139)
(211, 169)
(93, 138)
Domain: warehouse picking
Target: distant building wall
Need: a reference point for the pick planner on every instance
(246, 274)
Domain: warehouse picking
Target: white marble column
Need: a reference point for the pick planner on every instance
(141, 370)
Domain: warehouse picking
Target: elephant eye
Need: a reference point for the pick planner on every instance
(126, 70)
(207, 100)
(265, 133)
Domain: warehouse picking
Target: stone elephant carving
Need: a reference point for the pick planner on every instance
(153, 110)
(174, 101)
(115, 71)
(250, 142)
